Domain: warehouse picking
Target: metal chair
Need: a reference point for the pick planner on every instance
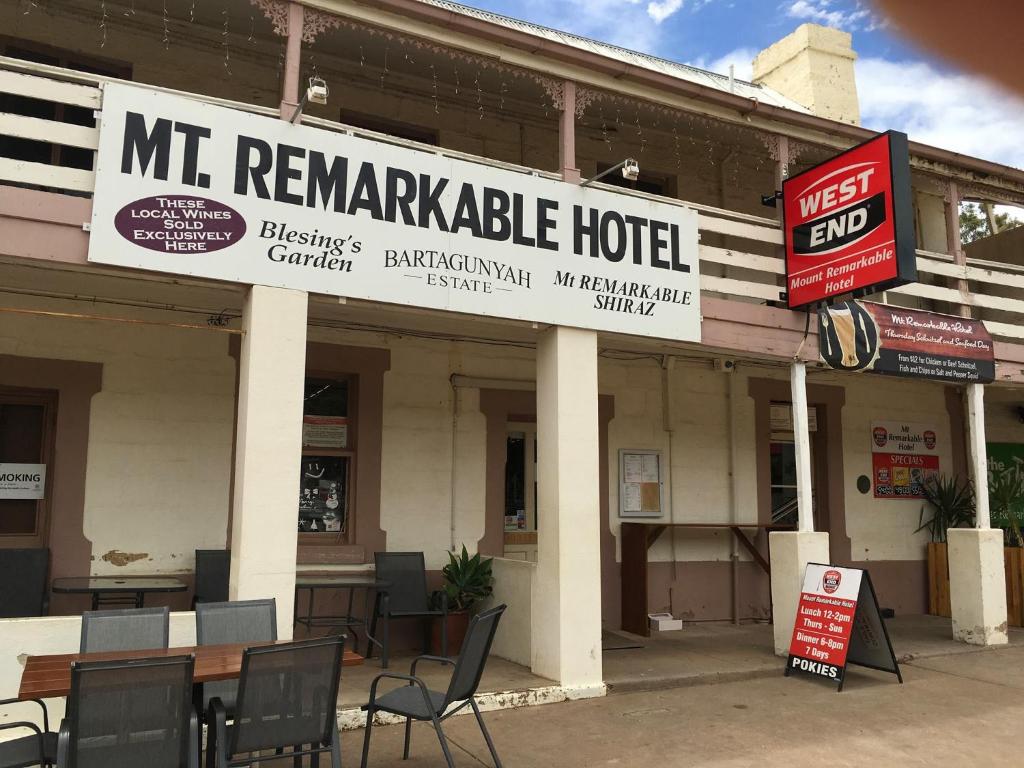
(417, 702)
(213, 569)
(36, 748)
(126, 629)
(23, 582)
(126, 714)
(287, 697)
(405, 598)
(241, 621)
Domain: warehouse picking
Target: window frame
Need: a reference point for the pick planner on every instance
(49, 399)
(339, 538)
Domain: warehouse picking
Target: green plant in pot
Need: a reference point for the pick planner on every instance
(467, 581)
(952, 505)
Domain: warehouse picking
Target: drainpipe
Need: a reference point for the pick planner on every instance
(734, 554)
(451, 479)
(667, 363)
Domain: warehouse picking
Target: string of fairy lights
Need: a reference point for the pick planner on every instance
(670, 137)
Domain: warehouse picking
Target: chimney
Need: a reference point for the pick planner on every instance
(813, 66)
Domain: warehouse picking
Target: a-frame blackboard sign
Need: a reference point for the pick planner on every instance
(838, 623)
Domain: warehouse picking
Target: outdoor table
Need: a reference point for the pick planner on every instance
(50, 676)
(117, 590)
(313, 580)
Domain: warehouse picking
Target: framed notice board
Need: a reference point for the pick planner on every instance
(641, 490)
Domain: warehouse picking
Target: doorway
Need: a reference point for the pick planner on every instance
(782, 462)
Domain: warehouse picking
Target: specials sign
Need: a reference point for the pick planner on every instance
(838, 623)
(861, 336)
(849, 224)
(904, 457)
(191, 188)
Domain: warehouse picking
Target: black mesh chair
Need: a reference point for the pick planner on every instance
(287, 698)
(405, 598)
(127, 629)
(23, 582)
(240, 621)
(36, 748)
(213, 572)
(127, 714)
(417, 702)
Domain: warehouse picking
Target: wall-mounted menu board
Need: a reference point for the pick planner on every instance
(640, 483)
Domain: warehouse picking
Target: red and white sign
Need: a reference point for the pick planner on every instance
(324, 432)
(848, 223)
(903, 457)
(824, 620)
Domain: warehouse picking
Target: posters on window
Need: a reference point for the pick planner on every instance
(324, 432)
(903, 457)
(322, 494)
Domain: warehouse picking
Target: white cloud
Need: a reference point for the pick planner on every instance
(823, 12)
(659, 10)
(945, 109)
(625, 23)
(740, 58)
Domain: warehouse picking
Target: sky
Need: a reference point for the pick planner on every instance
(900, 87)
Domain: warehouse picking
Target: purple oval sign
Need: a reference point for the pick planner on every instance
(180, 224)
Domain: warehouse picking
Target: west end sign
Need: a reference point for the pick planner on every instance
(197, 189)
(849, 223)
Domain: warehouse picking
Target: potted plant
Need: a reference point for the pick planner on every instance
(467, 580)
(952, 504)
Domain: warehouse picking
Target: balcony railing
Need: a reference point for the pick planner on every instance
(734, 273)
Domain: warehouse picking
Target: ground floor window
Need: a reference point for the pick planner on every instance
(328, 455)
(521, 491)
(27, 419)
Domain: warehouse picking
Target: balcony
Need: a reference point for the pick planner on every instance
(716, 167)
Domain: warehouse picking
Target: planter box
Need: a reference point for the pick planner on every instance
(938, 582)
(1013, 560)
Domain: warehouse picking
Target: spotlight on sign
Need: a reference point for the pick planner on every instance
(630, 171)
(316, 93)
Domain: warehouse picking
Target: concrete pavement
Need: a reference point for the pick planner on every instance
(956, 710)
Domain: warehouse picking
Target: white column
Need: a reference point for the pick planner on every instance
(566, 616)
(264, 532)
(977, 586)
(791, 551)
(975, 407)
(802, 444)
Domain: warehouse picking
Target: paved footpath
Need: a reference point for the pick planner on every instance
(963, 710)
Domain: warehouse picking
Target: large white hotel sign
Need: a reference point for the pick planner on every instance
(196, 189)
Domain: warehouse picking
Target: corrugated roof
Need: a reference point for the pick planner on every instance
(634, 58)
